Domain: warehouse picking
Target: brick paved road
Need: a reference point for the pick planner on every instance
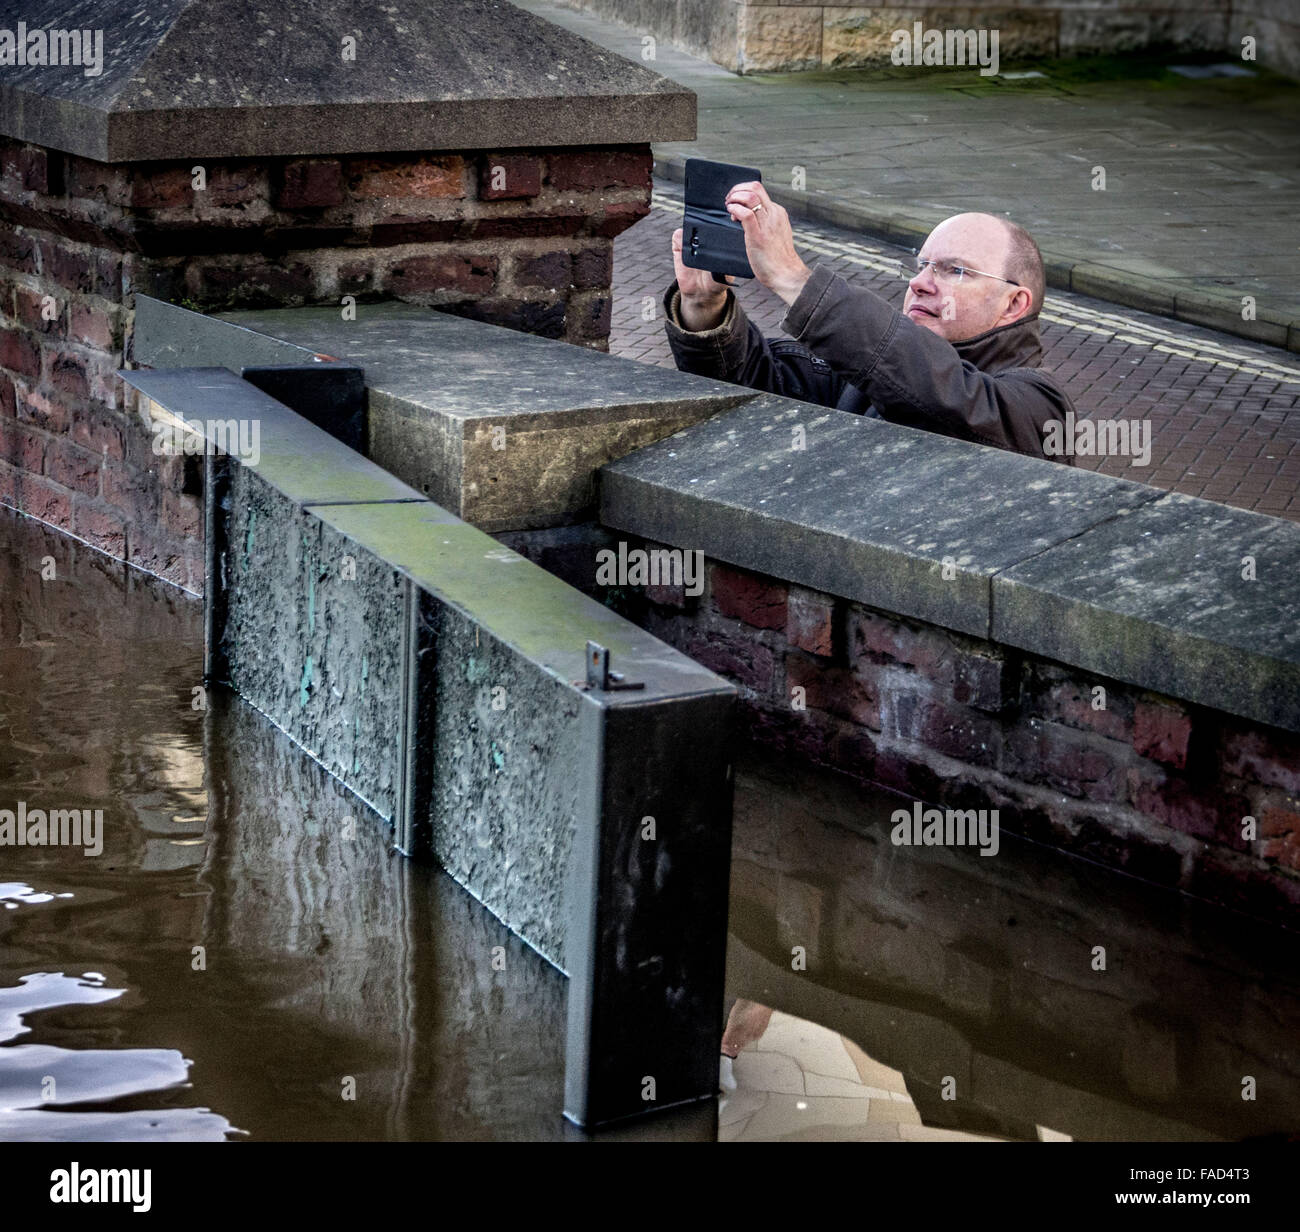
(1224, 412)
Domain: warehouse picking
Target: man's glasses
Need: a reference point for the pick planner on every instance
(944, 271)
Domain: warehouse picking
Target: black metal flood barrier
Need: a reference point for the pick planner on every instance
(445, 680)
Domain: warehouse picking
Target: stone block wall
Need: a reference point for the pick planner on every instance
(1140, 782)
(764, 36)
(519, 237)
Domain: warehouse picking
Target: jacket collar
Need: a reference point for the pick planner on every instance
(1009, 346)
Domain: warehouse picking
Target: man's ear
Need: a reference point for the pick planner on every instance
(1018, 305)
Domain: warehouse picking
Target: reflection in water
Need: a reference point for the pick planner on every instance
(37, 1079)
(260, 950)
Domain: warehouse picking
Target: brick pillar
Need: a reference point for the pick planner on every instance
(519, 237)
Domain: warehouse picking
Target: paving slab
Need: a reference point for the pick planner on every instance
(1181, 155)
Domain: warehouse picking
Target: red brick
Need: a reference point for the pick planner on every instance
(22, 447)
(810, 622)
(925, 649)
(669, 595)
(38, 169)
(1205, 812)
(224, 282)
(525, 226)
(1161, 733)
(92, 430)
(588, 316)
(72, 466)
(17, 251)
(473, 274)
(1075, 763)
(182, 515)
(550, 269)
(593, 267)
(583, 170)
(39, 408)
(87, 271)
(832, 689)
(42, 499)
(29, 310)
(957, 732)
(357, 277)
(161, 187)
(1281, 830)
(236, 184)
(7, 399)
(102, 527)
(756, 600)
(522, 176)
(423, 178)
(315, 183)
(109, 183)
(1070, 703)
(158, 556)
(19, 352)
(746, 663)
(94, 327)
(1263, 755)
(545, 319)
(68, 375)
(620, 215)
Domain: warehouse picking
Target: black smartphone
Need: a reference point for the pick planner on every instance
(711, 239)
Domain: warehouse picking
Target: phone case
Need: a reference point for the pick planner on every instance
(711, 239)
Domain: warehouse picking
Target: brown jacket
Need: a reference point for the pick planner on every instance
(855, 352)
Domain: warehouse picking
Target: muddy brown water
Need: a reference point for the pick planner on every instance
(247, 951)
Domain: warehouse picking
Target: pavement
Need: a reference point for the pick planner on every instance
(1202, 176)
(1224, 412)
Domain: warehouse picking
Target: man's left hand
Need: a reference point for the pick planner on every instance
(769, 240)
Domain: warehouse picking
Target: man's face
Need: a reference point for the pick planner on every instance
(965, 309)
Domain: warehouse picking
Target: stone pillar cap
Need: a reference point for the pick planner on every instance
(239, 78)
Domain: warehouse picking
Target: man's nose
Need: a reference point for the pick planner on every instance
(923, 281)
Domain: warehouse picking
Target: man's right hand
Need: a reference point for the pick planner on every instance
(703, 302)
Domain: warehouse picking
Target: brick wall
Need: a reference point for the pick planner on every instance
(522, 238)
(1140, 782)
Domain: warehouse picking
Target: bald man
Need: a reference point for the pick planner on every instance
(961, 358)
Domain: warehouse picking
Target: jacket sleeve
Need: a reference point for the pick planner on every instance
(913, 376)
(736, 351)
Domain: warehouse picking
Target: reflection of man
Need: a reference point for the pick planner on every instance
(962, 358)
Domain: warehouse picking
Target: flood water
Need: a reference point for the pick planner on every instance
(247, 958)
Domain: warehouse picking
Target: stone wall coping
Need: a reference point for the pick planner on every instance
(1101, 573)
(223, 79)
(439, 389)
(517, 601)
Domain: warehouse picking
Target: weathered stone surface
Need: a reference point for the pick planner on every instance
(443, 678)
(870, 511)
(774, 39)
(515, 434)
(852, 37)
(437, 74)
(1157, 598)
